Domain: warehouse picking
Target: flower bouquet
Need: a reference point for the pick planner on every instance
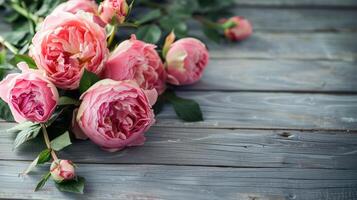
(82, 69)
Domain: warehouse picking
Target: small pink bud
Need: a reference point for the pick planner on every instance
(117, 9)
(242, 29)
(62, 170)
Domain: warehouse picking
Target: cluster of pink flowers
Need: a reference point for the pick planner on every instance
(116, 111)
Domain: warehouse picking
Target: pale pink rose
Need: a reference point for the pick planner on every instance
(136, 60)
(242, 30)
(62, 170)
(74, 6)
(66, 44)
(186, 60)
(29, 95)
(117, 9)
(116, 114)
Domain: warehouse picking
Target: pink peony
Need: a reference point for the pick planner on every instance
(137, 60)
(62, 170)
(186, 60)
(66, 44)
(117, 9)
(30, 95)
(242, 30)
(116, 114)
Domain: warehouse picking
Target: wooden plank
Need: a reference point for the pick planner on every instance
(302, 46)
(299, 19)
(278, 75)
(213, 147)
(269, 110)
(294, 3)
(187, 182)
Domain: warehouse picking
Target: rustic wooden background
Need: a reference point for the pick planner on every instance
(280, 120)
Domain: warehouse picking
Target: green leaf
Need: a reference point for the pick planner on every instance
(43, 181)
(5, 112)
(212, 34)
(61, 142)
(21, 126)
(88, 79)
(149, 33)
(186, 109)
(23, 58)
(159, 105)
(26, 135)
(152, 15)
(63, 100)
(173, 23)
(44, 156)
(74, 186)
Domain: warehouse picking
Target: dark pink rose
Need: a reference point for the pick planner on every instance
(30, 95)
(116, 114)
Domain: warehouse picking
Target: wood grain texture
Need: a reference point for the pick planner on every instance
(301, 46)
(296, 3)
(213, 147)
(269, 110)
(187, 182)
(299, 19)
(278, 75)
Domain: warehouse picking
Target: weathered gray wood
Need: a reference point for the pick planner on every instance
(278, 75)
(303, 46)
(186, 182)
(299, 19)
(269, 110)
(213, 147)
(294, 3)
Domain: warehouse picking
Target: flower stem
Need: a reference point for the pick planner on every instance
(24, 12)
(47, 141)
(8, 45)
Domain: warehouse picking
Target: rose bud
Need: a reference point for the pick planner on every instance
(240, 31)
(136, 60)
(30, 95)
(62, 170)
(66, 44)
(116, 114)
(113, 9)
(186, 60)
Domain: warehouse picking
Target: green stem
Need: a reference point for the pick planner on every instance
(111, 37)
(207, 22)
(8, 45)
(47, 141)
(24, 12)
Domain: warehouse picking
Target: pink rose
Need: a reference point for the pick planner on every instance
(66, 44)
(74, 6)
(116, 114)
(186, 60)
(242, 30)
(30, 95)
(62, 170)
(136, 60)
(117, 9)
